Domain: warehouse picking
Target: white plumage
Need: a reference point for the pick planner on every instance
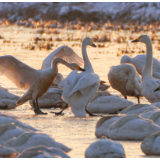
(79, 88)
(139, 63)
(64, 52)
(149, 84)
(7, 100)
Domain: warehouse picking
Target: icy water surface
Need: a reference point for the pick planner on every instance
(76, 133)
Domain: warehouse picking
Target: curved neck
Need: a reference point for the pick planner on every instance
(147, 72)
(59, 60)
(87, 63)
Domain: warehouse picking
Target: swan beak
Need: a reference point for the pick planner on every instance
(93, 45)
(157, 89)
(54, 85)
(136, 40)
(81, 69)
(102, 82)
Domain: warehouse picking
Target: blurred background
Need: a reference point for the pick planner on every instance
(117, 12)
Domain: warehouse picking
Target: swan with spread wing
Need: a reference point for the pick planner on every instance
(37, 82)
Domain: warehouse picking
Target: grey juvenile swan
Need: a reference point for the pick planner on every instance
(36, 81)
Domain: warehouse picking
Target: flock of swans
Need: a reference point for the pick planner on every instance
(79, 89)
(84, 92)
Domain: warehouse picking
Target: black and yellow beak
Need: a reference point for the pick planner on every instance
(93, 45)
(136, 40)
(102, 82)
(54, 85)
(79, 68)
(157, 89)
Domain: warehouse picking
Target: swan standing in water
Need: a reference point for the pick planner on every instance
(36, 81)
(139, 63)
(64, 52)
(125, 79)
(149, 84)
(79, 88)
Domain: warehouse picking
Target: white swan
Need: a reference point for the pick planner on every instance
(138, 109)
(6, 152)
(104, 123)
(149, 84)
(150, 145)
(31, 139)
(7, 100)
(36, 81)
(64, 52)
(131, 127)
(79, 88)
(42, 152)
(108, 104)
(139, 63)
(105, 148)
(8, 120)
(125, 79)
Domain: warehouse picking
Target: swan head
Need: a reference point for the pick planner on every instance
(88, 41)
(126, 59)
(75, 66)
(143, 38)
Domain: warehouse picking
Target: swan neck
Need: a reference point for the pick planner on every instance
(87, 63)
(147, 72)
(55, 64)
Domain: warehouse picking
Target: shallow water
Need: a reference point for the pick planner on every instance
(76, 133)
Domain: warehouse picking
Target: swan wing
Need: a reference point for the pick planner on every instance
(19, 73)
(86, 80)
(64, 52)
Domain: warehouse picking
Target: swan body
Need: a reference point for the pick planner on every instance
(79, 88)
(52, 98)
(155, 117)
(31, 139)
(6, 152)
(124, 78)
(7, 120)
(43, 152)
(149, 84)
(7, 100)
(138, 109)
(132, 127)
(9, 131)
(150, 145)
(103, 125)
(64, 52)
(108, 104)
(36, 81)
(105, 148)
(148, 113)
(139, 63)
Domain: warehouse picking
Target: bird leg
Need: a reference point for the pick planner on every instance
(60, 113)
(4, 107)
(91, 114)
(138, 99)
(125, 97)
(35, 107)
(38, 111)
